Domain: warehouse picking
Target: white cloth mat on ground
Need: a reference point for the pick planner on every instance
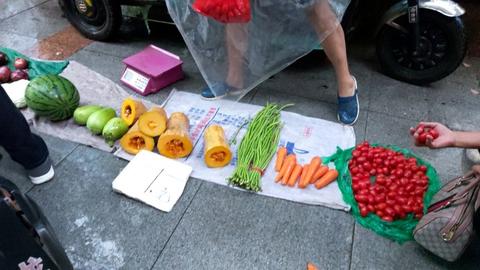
(307, 137)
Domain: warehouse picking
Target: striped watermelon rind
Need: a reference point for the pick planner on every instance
(52, 96)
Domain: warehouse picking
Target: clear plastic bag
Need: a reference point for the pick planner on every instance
(236, 57)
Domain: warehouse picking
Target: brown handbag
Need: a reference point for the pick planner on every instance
(447, 228)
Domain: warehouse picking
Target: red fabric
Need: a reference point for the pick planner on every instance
(225, 11)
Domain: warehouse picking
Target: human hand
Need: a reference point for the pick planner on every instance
(476, 170)
(446, 137)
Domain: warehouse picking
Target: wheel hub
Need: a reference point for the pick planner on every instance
(430, 51)
(85, 7)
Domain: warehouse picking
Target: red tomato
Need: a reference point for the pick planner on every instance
(387, 218)
(380, 213)
(409, 188)
(371, 208)
(354, 170)
(391, 202)
(389, 211)
(364, 211)
(363, 191)
(371, 199)
(423, 168)
(381, 206)
(398, 209)
(407, 208)
(393, 186)
(380, 198)
(361, 198)
(373, 172)
(433, 133)
(401, 200)
(422, 138)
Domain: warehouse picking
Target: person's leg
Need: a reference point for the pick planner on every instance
(236, 42)
(326, 25)
(21, 144)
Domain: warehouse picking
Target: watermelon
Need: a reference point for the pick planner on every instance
(52, 96)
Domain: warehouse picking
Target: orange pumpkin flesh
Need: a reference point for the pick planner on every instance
(131, 110)
(217, 151)
(154, 122)
(134, 141)
(175, 142)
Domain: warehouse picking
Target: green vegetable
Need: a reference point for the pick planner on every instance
(257, 148)
(52, 96)
(97, 120)
(114, 130)
(81, 114)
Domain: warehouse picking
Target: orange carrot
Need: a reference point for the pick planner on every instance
(319, 173)
(326, 179)
(289, 170)
(288, 159)
(311, 266)
(281, 154)
(304, 172)
(295, 174)
(314, 164)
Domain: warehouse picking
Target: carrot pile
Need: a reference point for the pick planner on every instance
(291, 173)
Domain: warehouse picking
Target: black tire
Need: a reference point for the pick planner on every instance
(100, 24)
(444, 43)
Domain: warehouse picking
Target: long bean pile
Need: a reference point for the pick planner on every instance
(257, 148)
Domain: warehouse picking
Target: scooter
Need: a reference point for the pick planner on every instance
(417, 41)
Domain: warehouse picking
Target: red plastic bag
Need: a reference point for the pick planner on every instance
(225, 11)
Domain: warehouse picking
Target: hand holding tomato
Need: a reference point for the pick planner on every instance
(433, 135)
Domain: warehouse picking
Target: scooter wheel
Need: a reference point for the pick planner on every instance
(97, 20)
(442, 47)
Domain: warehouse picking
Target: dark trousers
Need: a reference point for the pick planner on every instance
(21, 144)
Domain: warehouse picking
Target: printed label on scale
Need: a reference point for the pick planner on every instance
(135, 79)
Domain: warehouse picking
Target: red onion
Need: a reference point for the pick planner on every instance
(4, 74)
(3, 59)
(18, 75)
(20, 63)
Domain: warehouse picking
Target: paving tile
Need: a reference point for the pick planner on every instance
(11, 8)
(101, 229)
(17, 42)
(456, 88)
(230, 229)
(397, 98)
(38, 22)
(13, 171)
(60, 45)
(308, 107)
(386, 254)
(458, 115)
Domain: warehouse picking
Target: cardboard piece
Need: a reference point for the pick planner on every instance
(153, 179)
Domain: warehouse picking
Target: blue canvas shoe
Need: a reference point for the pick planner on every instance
(349, 107)
(220, 89)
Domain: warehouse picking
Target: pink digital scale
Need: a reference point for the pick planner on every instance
(151, 69)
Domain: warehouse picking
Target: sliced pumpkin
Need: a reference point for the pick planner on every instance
(217, 151)
(131, 110)
(175, 142)
(134, 141)
(154, 122)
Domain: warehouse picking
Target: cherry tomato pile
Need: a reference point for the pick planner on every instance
(387, 183)
(423, 132)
